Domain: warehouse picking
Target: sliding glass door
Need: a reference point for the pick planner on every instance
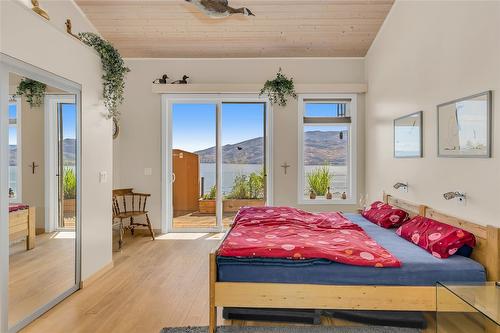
(216, 161)
(243, 157)
(194, 171)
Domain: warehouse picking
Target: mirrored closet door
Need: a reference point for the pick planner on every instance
(43, 177)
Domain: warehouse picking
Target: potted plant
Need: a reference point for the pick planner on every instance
(113, 79)
(319, 181)
(206, 204)
(69, 190)
(247, 190)
(279, 89)
(33, 90)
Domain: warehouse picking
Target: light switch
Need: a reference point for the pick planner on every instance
(103, 177)
(148, 171)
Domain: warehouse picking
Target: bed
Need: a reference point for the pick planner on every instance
(320, 284)
(22, 224)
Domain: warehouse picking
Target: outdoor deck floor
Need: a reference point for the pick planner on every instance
(193, 221)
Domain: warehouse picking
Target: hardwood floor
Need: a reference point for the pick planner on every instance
(39, 275)
(153, 284)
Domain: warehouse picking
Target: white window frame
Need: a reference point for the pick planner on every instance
(352, 153)
(167, 100)
(14, 100)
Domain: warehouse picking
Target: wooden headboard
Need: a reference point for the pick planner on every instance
(487, 250)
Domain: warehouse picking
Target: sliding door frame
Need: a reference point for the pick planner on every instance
(7, 65)
(52, 154)
(167, 100)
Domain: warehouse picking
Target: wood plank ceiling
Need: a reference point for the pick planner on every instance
(281, 28)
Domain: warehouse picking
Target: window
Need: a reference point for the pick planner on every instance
(14, 149)
(327, 149)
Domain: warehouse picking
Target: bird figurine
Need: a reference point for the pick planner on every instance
(219, 8)
(182, 81)
(36, 8)
(162, 80)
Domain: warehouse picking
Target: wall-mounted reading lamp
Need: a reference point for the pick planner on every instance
(401, 186)
(455, 195)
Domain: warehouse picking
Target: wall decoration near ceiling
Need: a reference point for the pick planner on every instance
(464, 127)
(36, 8)
(113, 79)
(182, 81)
(219, 8)
(279, 89)
(408, 136)
(162, 80)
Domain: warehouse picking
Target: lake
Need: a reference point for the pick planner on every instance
(230, 171)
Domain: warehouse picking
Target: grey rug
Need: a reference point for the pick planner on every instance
(292, 329)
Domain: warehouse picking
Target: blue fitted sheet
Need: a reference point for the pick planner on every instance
(419, 268)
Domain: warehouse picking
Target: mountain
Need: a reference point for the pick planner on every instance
(245, 152)
(321, 147)
(69, 151)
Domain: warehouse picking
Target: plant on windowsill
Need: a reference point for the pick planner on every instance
(113, 79)
(319, 180)
(279, 89)
(33, 90)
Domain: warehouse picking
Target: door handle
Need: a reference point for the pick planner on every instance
(173, 177)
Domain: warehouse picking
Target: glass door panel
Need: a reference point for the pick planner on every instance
(67, 164)
(243, 157)
(194, 161)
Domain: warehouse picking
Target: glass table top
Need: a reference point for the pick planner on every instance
(483, 297)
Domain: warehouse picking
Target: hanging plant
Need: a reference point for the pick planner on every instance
(34, 91)
(113, 79)
(278, 89)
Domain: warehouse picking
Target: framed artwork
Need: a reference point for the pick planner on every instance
(408, 136)
(464, 127)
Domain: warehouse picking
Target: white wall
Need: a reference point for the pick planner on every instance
(427, 53)
(28, 37)
(139, 143)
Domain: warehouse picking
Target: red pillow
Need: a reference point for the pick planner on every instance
(440, 239)
(385, 215)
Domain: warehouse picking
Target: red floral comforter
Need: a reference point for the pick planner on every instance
(284, 232)
(13, 207)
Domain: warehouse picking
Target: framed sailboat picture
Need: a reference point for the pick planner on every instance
(464, 127)
(408, 136)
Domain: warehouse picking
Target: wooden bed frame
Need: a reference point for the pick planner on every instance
(355, 297)
(22, 224)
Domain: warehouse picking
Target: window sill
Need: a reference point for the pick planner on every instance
(322, 201)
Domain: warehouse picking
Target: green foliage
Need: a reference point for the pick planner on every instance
(319, 180)
(248, 186)
(69, 184)
(114, 72)
(33, 90)
(212, 194)
(278, 89)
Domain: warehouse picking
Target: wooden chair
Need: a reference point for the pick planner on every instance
(128, 205)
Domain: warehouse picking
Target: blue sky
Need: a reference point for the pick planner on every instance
(193, 125)
(69, 122)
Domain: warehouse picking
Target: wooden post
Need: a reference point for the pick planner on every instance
(212, 324)
(422, 209)
(30, 240)
(493, 250)
(385, 197)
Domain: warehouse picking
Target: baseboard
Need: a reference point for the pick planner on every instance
(39, 231)
(96, 276)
